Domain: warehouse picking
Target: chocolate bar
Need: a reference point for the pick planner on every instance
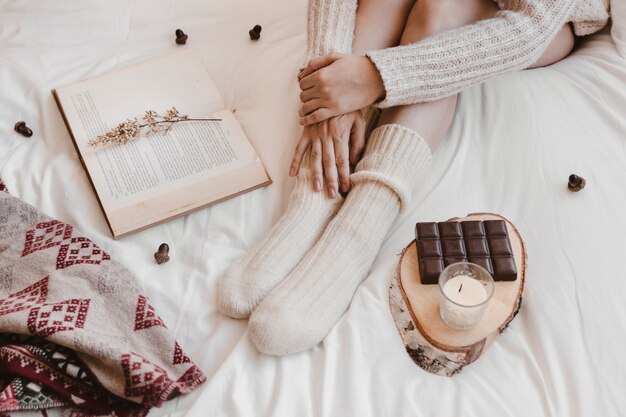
(485, 243)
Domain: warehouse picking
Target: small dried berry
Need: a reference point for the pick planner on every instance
(181, 37)
(22, 129)
(161, 256)
(255, 32)
(576, 183)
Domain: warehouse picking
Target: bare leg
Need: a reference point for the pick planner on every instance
(560, 48)
(379, 24)
(427, 18)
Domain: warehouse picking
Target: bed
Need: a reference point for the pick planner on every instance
(513, 144)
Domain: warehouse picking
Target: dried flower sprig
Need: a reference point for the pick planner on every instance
(131, 128)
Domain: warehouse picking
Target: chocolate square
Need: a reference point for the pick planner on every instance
(453, 247)
(453, 259)
(484, 262)
(500, 246)
(495, 228)
(450, 229)
(477, 247)
(426, 231)
(429, 248)
(504, 267)
(473, 229)
(430, 269)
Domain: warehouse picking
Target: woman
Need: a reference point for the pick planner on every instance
(297, 282)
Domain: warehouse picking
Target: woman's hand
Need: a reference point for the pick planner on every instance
(334, 143)
(337, 84)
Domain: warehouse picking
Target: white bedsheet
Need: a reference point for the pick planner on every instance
(513, 144)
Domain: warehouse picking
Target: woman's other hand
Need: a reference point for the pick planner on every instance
(335, 143)
(337, 84)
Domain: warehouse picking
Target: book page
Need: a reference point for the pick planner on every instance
(192, 151)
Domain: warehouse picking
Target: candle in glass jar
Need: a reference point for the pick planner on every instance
(465, 290)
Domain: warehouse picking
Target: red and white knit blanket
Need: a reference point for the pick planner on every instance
(75, 328)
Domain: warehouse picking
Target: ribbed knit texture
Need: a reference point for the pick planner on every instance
(445, 64)
(330, 27)
(251, 278)
(392, 155)
(304, 307)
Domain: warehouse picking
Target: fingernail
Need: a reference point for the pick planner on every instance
(331, 193)
(302, 121)
(344, 188)
(317, 186)
(291, 172)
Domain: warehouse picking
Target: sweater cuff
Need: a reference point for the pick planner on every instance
(393, 73)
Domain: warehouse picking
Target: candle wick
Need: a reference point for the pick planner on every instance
(461, 287)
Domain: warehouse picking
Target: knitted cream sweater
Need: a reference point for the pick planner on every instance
(445, 64)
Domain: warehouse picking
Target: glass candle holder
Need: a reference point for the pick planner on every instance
(465, 290)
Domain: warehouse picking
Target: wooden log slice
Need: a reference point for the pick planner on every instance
(433, 345)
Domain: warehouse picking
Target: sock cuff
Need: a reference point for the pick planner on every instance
(394, 156)
(304, 187)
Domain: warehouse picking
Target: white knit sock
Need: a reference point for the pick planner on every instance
(303, 308)
(249, 279)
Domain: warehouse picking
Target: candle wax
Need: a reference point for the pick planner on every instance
(465, 290)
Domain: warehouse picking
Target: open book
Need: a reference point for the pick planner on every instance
(158, 177)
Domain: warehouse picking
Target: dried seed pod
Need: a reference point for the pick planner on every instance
(21, 128)
(255, 32)
(162, 255)
(181, 37)
(576, 183)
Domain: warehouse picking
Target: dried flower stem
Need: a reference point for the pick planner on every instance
(185, 120)
(131, 128)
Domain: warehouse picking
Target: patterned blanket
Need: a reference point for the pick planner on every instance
(76, 331)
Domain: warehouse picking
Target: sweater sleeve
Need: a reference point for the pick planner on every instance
(445, 64)
(330, 27)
